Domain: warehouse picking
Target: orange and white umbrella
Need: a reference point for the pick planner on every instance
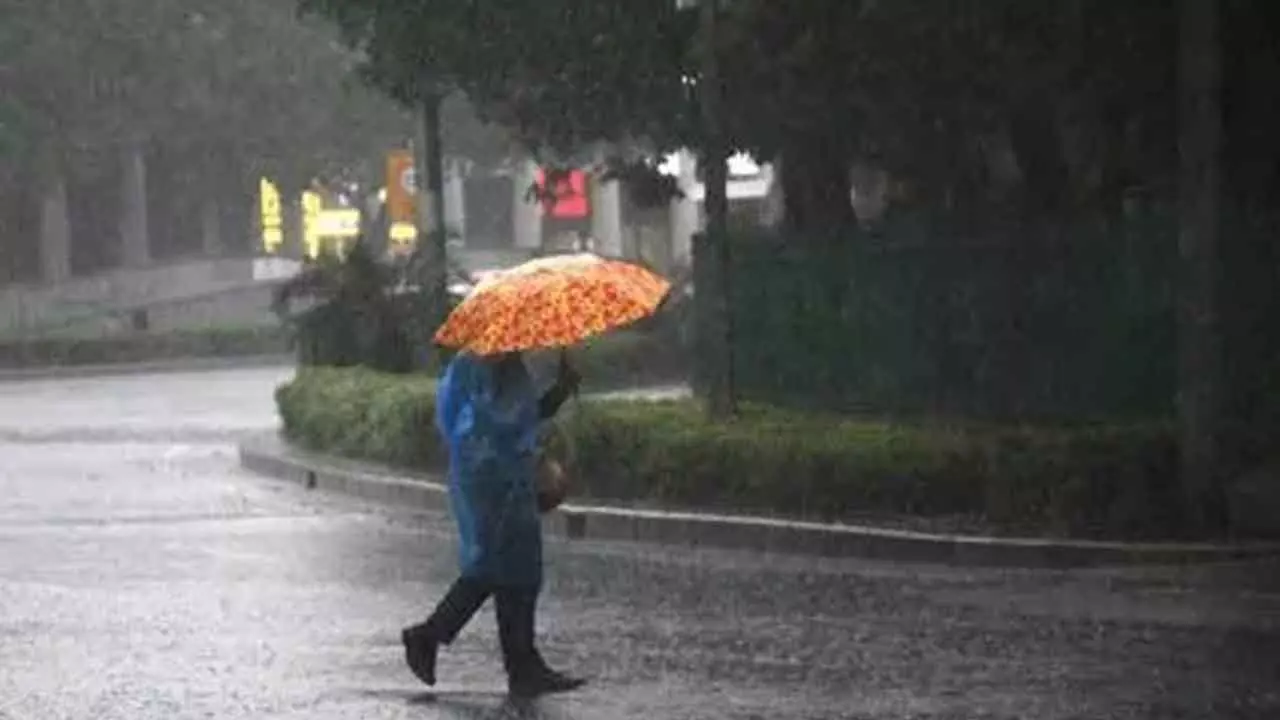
(552, 302)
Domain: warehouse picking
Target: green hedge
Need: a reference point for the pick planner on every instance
(1084, 481)
(144, 347)
(1021, 330)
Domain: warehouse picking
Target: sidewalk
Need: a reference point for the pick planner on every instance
(269, 455)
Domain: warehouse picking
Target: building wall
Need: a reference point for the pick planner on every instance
(30, 306)
(490, 221)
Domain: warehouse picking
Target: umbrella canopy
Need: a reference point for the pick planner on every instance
(552, 302)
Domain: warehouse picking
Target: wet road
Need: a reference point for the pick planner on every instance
(143, 575)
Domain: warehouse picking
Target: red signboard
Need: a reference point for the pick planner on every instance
(569, 201)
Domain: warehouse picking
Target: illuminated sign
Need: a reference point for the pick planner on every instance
(338, 223)
(272, 217)
(569, 200)
(312, 205)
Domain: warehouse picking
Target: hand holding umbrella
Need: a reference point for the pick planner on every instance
(567, 381)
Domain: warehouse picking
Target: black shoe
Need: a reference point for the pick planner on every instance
(541, 680)
(420, 653)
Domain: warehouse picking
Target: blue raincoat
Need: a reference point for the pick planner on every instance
(492, 442)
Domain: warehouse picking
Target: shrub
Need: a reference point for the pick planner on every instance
(1087, 481)
(353, 316)
(362, 413)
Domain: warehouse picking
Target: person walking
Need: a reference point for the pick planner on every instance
(489, 414)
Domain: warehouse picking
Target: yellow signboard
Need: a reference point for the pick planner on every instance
(336, 226)
(404, 233)
(327, 229)
(312, 205)
(271, 216)
(340, 223)
(339, 228)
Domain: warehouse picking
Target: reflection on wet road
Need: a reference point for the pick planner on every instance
(143, 575)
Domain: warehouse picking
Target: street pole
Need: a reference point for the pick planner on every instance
(722, 401)
(432, 232)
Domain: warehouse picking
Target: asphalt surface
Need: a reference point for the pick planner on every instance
(144, 575)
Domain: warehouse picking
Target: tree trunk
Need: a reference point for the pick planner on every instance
(433, 236)
(211, 226)
(1250, 240)
(718, 327)
(294, 233)
(1200, 337)
(135, 234)
(815, 189)
(55, 230)
(1037, 144)
(1114, 173)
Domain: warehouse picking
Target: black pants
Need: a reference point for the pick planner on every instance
(516, 610)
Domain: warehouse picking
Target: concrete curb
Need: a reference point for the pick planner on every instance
(272, 457)
(191, 364)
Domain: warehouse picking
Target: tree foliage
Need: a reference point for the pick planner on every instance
(933, 91)
(561, 74)
(243, 78)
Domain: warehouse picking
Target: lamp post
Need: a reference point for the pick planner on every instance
(712, 253)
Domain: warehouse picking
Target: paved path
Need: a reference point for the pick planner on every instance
(142, 575)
